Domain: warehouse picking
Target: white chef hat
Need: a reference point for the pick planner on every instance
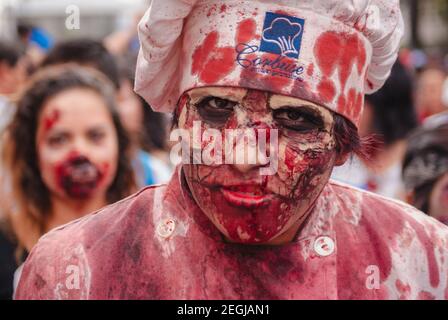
(330, 52)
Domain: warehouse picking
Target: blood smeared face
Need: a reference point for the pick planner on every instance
(438, 202)
(244, 205)
(77, 145)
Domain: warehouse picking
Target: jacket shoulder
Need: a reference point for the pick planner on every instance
(409, 248)
(383, 210)
(61, 258)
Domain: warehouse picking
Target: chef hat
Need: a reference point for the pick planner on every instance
(330, 52)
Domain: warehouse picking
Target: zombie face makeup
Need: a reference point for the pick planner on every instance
(328, 55)
(77, 145)
(244, 205)
(78, 176)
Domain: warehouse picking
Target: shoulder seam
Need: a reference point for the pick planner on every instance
(375, 195)
(130, 197)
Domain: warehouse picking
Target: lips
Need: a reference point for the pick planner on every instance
(82, 173)
(78, 177)
(249, 196)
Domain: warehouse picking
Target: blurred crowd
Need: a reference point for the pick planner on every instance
(75, 137)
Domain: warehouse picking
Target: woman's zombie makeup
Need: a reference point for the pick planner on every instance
(78, 177)
(247, 206)
(77, 145)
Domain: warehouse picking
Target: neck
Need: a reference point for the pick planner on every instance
(64, 211)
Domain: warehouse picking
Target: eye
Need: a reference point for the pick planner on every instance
(96, 135)
(215, 110)
(298, 119)
(57, 140)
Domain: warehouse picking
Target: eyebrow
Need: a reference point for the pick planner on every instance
(58, 131)
(278, 102)
(53, 129)
(224, 93)
(282, 102)
(305, 108)
(97, 127)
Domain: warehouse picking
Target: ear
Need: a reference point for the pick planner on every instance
(341, 159)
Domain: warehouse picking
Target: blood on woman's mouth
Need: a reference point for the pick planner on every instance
(78, 176)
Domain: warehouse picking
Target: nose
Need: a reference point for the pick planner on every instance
(80, 147)
(245, 168)
(252, 147)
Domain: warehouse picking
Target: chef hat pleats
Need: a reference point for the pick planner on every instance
(330, 52)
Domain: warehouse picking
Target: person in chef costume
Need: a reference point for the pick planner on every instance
(270, 226)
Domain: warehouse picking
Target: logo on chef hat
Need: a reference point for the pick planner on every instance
(282, 35)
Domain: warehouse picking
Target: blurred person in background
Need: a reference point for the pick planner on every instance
(35, 41)
(390, 115)
(66, 151)
(429, 94)
(147, 130)
(125, 40)
(425, 167)
(148, 169)
(13, 73)
(12, 78)
(85, 52)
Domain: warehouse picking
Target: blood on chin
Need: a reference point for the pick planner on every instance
(81, 190)
(244, 223)
(78, 177)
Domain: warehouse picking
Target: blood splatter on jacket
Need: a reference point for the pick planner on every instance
(157, 244)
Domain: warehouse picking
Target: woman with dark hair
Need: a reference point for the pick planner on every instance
(66, 152)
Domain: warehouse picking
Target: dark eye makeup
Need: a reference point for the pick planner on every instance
(215, 110)
(301, 119)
